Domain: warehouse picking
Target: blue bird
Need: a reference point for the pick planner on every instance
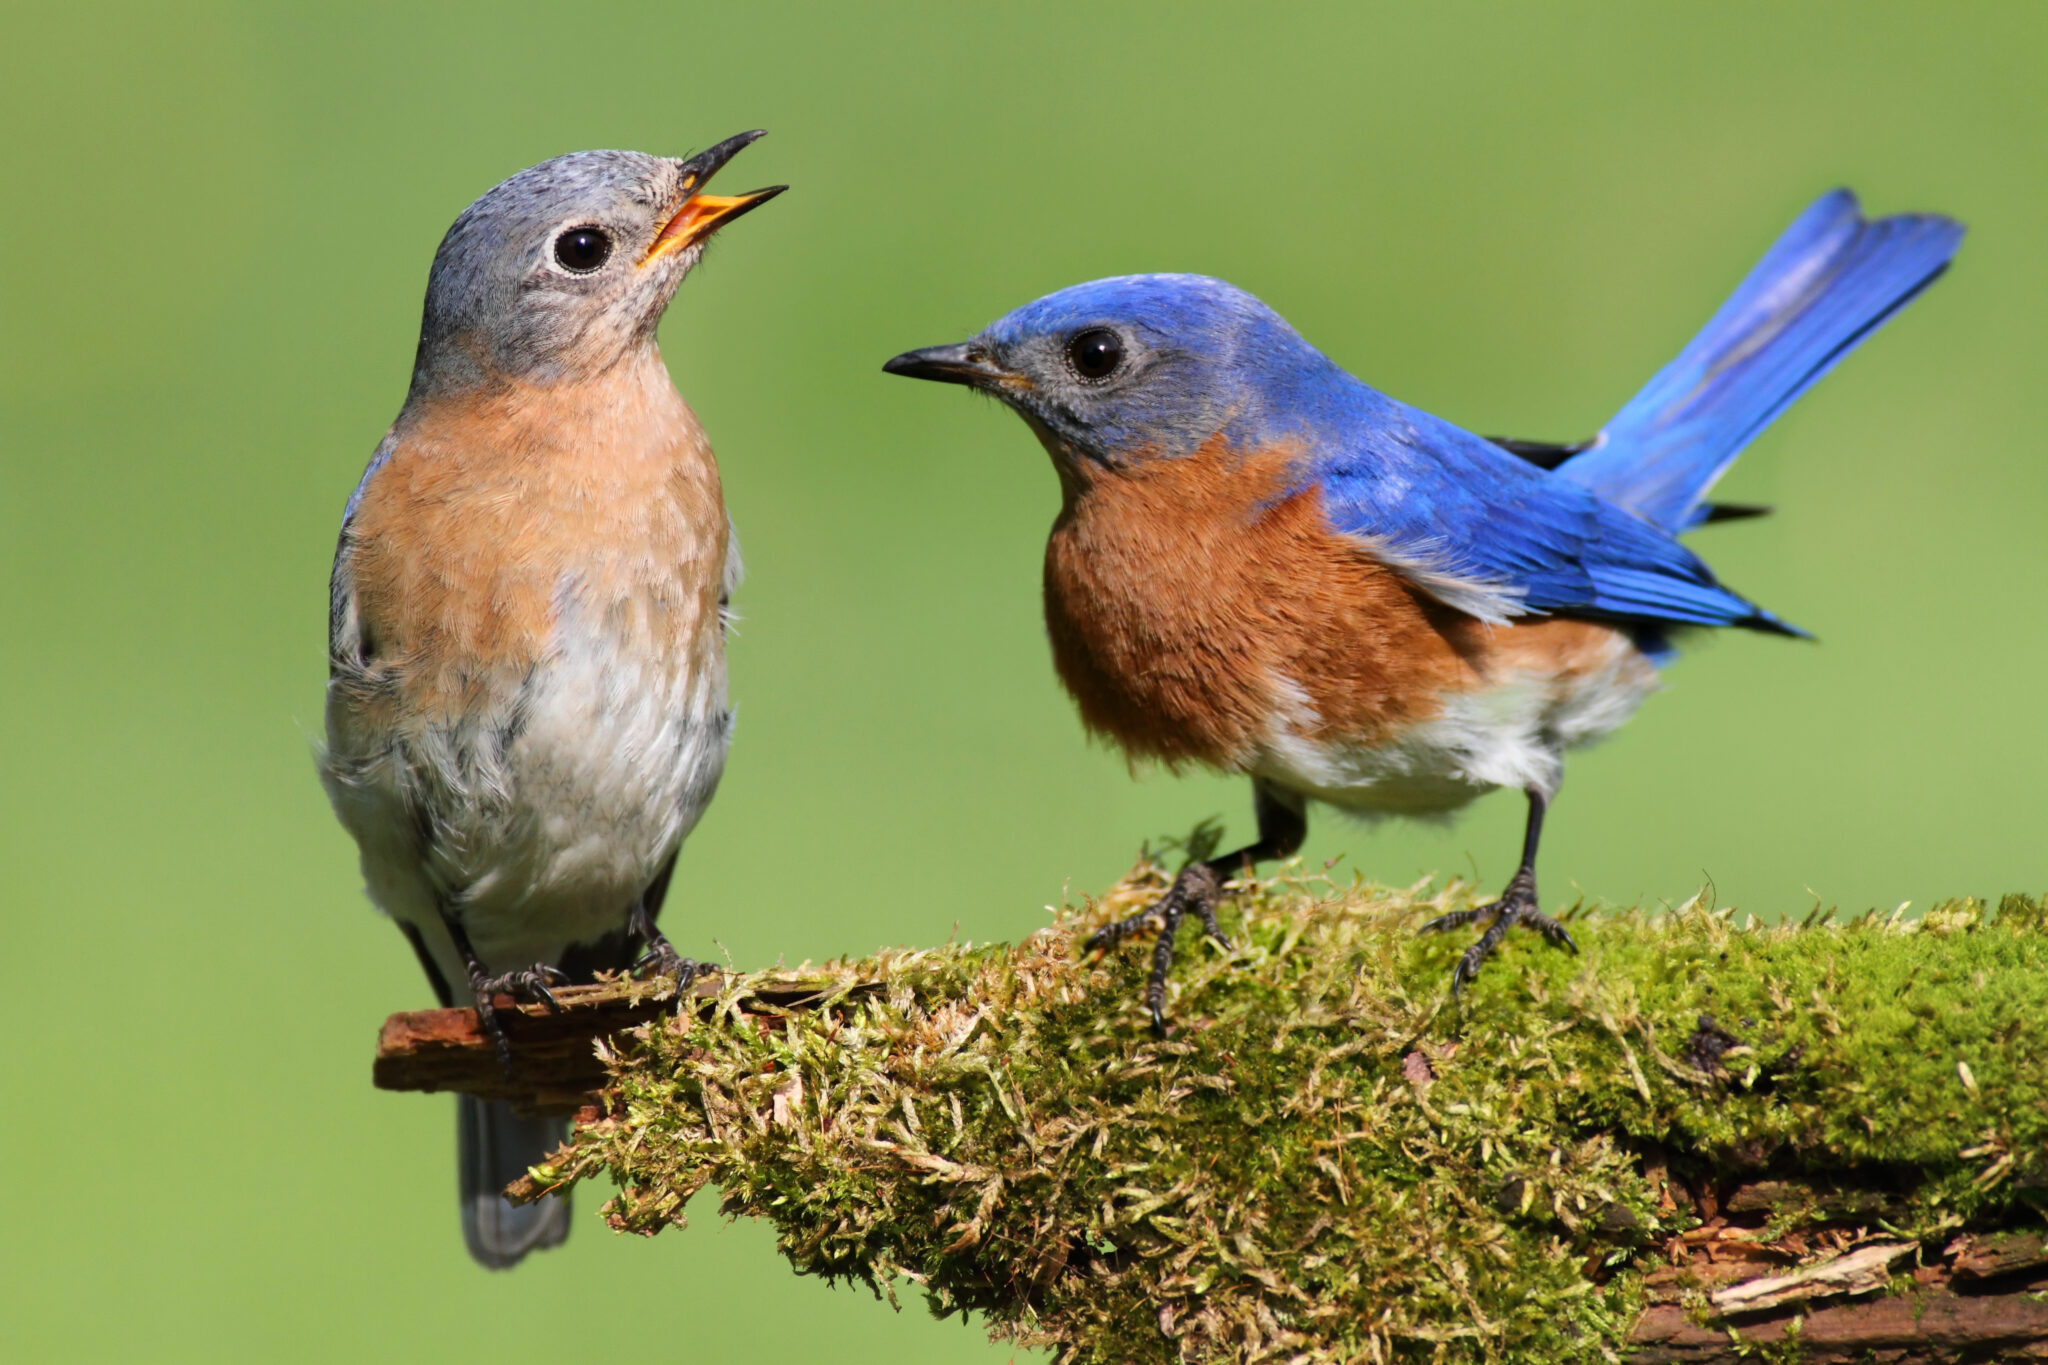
(1265, 566)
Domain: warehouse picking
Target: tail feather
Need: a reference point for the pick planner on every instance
(494, 1147)
(1831, 280)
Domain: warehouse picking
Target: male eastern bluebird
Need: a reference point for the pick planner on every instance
(526, 705)
(1265, 566)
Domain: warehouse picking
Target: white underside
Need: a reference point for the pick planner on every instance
(1512, 734)
(546, 827)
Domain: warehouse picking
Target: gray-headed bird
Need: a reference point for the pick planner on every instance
(526, 706)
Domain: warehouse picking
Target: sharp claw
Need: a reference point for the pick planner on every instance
(527, 984)
(1516, 906)
(666, 961)
(1194, 892)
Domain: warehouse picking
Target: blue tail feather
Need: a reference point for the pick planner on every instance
(1831, 280)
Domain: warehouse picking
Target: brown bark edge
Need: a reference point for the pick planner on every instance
(1985, 1298)
(556, 1068)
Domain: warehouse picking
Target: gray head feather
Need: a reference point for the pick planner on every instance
(503, 302)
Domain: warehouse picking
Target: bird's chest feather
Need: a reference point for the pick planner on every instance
(510, 528)
(1196, 606)
(1202, 609)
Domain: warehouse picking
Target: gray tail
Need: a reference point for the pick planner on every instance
(494, 1146)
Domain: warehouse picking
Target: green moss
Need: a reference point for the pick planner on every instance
(1330, 1160)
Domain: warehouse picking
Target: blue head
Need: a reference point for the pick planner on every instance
(1141, 367)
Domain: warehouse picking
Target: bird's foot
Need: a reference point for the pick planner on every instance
(535, 983)
(662, 959)
(1517, 905)
(1195, 891)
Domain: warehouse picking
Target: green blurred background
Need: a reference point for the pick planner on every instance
(219, 221)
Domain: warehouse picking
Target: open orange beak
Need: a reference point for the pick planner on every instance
(700, 215)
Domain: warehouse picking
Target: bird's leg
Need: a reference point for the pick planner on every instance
(526, 983)
(661, 955)
(1282, 827)
(1517, 905)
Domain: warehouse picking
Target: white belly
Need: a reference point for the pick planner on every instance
(538, 821)
(1513, 733)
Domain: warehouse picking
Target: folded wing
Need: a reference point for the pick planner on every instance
(1499, 538)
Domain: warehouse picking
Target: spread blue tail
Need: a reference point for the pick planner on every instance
(1828, 283)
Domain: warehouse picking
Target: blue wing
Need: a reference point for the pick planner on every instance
(1498, 538)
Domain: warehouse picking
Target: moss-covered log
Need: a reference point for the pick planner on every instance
(1697, 1140)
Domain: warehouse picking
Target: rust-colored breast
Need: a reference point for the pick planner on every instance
(1194, 606)
(493, 506)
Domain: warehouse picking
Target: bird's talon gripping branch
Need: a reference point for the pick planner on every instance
(1109, 935)
(1457, 919)
(1211, 929)
(1197, 890)
(1517, 905)
(527, 983)
(661, 955)
(533, 983)
(661, 959)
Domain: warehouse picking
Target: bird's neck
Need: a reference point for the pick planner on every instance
(624, 411)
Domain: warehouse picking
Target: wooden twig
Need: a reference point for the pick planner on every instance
(1934, 1327)
(556, 1067)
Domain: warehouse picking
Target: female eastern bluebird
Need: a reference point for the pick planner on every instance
(1263, 565)
(526, 705)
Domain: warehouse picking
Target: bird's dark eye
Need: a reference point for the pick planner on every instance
(583, 249)
(1096, 353)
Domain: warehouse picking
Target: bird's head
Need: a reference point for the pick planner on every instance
(1120, 371)
(562, 269)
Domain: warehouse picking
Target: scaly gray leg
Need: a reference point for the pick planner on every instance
(1517, 905)
(525, 983)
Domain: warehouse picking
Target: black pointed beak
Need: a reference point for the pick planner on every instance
(705, 164)
(965, 363)
(699, 215)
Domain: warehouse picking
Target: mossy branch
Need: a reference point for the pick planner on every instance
(1696, 1141)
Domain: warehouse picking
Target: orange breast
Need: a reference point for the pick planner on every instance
(1191, 602)
(494, 506)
